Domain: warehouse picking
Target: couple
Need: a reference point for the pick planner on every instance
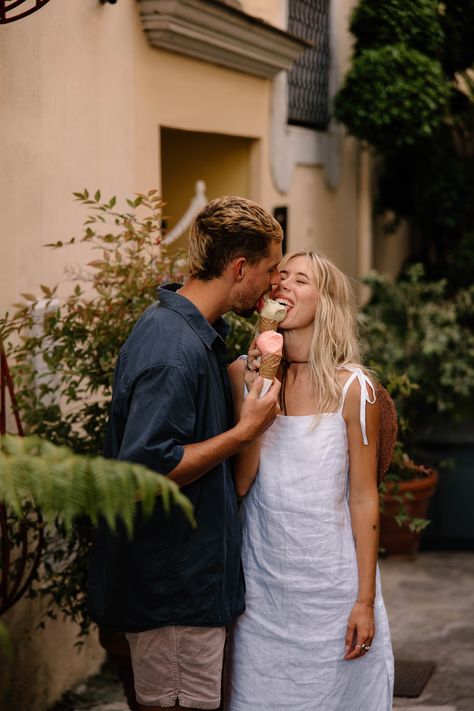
(310, 540)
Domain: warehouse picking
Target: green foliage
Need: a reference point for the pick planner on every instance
(240, 334)
(415, 22)
(79, 341)
(414, 328)
(410, 94)
(403, 468)
(65, 486)
(393, 97)
(71, 492)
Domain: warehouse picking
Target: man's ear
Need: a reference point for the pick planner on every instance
(238, 268)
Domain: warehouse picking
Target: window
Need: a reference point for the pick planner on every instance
(308, 79)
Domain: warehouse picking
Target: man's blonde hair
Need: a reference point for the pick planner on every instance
(226, 228)
(335, 341)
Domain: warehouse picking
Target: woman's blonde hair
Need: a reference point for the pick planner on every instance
(335, 341)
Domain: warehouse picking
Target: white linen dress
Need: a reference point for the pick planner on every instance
(301, 577)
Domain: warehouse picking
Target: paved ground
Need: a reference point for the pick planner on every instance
(430, 602)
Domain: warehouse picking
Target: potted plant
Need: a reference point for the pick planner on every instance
(405, 494)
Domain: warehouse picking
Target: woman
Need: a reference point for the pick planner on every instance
(315, 635)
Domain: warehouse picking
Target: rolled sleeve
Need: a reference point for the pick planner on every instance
(161, 419)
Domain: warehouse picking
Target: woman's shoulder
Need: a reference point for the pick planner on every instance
(357, 382)
(356, 371)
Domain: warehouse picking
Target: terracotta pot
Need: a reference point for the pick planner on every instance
(118, 651)
(400, 540)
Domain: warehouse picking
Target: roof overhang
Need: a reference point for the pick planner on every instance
(215, 32)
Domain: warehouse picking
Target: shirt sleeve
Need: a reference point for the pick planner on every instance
(161, 419)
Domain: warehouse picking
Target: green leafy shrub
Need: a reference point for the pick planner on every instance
(410, 95)
(392, 97)
(65, 486)
(415, 22)
(421, 342)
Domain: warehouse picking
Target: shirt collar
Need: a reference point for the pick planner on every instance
(168, 297)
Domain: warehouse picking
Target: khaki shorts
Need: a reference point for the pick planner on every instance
(176, 663)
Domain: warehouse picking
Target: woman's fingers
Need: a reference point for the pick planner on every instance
(357, 650)
(253, 360)
(357, 644)
(350, 639)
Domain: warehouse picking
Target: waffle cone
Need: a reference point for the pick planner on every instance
(267, 324)
(269, 365)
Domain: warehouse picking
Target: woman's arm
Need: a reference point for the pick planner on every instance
(364, 509)
(246, 461)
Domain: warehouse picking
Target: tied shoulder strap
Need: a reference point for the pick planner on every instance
(365, 385)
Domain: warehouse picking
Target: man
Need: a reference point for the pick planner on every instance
(173, 589)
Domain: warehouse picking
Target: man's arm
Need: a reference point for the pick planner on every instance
(161, 419)
(256, 415)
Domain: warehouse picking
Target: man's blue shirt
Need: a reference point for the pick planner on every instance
(171, 388)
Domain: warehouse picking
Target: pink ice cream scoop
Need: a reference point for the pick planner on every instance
(270, 345)
(270, 342)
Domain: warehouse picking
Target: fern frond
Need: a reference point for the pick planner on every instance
(64, 485)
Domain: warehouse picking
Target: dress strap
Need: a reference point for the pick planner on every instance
(365, 384)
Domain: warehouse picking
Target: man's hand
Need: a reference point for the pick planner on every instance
(258, 413)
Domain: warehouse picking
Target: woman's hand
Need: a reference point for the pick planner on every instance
(360, 631)
(253, 365)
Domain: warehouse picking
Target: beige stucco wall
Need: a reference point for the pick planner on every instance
(45, 661)
(85, 101)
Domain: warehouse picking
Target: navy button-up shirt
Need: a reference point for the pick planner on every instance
(171, 388)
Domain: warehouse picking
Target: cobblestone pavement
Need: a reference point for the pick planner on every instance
(430, 603)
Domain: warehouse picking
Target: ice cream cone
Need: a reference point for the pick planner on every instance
(270, 315)
(266, 324)
(269, 363)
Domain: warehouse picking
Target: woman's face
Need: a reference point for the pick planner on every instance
(297, 291)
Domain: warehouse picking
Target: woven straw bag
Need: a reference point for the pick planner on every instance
(388, 429)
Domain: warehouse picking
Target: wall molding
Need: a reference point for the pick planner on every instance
(215, 32)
